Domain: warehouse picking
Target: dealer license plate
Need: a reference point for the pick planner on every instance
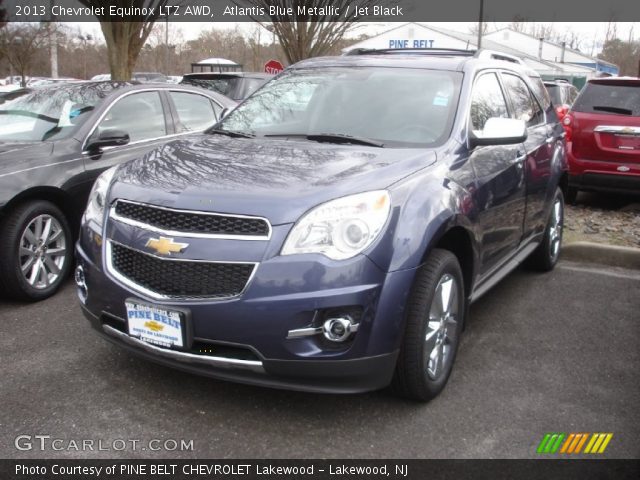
(155, 325)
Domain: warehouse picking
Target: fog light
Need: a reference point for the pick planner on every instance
(78, 277)
(338, 329)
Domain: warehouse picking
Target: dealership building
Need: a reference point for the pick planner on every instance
(551, 60)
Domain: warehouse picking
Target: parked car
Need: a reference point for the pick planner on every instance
(603, 131)
(142, 77)
(235, 85)
(9, 92)
(54, 142)
(305, 246)
(562, 94)
(43, 82)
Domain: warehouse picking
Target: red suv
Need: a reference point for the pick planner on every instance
(603, 137)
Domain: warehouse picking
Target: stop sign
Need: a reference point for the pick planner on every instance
(273, 66)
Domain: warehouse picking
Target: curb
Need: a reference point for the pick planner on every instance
(603, 254)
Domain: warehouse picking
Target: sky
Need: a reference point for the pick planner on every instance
(593, 32)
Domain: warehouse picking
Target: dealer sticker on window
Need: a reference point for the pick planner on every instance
(154, 325)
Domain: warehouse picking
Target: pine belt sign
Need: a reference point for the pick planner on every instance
(273, 66)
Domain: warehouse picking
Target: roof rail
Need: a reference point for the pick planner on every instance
(482, 54)
(420, 51)
(486, 54)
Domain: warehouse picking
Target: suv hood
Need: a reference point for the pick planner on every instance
(277, 179)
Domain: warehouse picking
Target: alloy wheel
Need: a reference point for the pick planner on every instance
(43, 251)
(555, 229)
(442, 331)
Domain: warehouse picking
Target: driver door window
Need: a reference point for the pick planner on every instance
(140, 115)
(487, 102)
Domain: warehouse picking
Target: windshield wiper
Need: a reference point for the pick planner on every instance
(621, 111)
(26, 113)
(230, 133)
(342, 138)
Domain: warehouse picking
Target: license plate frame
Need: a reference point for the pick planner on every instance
(154, 324)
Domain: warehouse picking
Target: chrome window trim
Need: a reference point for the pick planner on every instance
(214, 361)
(176, 233)
(132, 92)
(111, 270)
(618, 130)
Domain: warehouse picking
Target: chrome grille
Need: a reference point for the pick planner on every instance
(191, 222)
(178, 279)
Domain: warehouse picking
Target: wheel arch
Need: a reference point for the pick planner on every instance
(458, 240)
(61, 199)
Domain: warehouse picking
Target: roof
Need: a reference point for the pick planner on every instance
(216, 61)
(428, 59)
(118, 87)
(615, 80)
(228, 74)
(398, 60)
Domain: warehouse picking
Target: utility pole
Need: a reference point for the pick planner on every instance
(166, 44)
(480, 24)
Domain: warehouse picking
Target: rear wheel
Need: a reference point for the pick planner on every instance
(37, 251)
(435, 315)
(545, 257)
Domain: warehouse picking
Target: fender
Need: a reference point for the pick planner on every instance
(424, 209)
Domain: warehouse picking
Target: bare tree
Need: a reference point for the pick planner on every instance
(625, 54)
(303, 36)
(125, 39)
(20, 43)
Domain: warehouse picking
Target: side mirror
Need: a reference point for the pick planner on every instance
(500, 131)
(109, 138)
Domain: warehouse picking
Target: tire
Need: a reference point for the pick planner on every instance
(431, 330)
(38, 274)
(545, 257)
(571, 195)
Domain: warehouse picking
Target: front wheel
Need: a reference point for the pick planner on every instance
(435, 315)
(36, 251)
(545, 257)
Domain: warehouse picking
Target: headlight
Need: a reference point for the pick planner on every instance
(98, 197)
(341, 228)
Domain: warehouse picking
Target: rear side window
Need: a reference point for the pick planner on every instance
(609, 99)
(195, 112)
(556, 93)
(524, 105)
(540, 91)
(487, 102)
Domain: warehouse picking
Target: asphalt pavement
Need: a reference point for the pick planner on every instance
(541, 353)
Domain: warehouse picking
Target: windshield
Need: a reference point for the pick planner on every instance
(50, 113)
(398, 107)
(225, 86)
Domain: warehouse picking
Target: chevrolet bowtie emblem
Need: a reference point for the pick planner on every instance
(166, 246)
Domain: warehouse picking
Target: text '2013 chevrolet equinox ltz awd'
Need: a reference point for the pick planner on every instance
(329, 234)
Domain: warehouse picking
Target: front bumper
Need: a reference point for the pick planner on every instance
(246, 337)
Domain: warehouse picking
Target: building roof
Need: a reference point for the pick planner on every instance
(469, 41)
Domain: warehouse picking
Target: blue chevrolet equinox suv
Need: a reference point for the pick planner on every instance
(330, 233)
